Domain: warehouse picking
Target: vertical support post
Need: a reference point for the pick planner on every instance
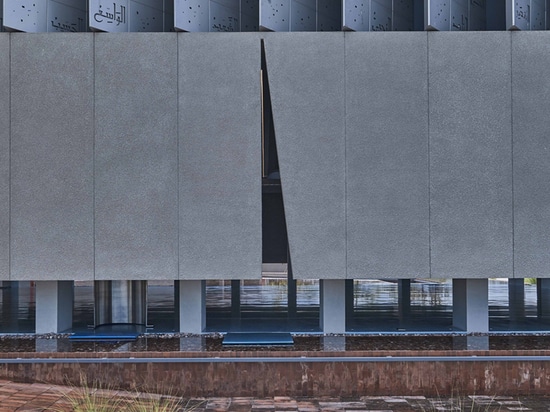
(543, 298)
(471, 305)
(10, 303)
(236, 299)
(54, 306)
(516, 299)
(292, 291)
(350, 309)
(404, 298)
(192, 306)
(332, 295)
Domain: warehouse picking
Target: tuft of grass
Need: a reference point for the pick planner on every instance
(94, 397)
(457, 403)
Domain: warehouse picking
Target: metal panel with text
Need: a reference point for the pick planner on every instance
(66, 16)
(108, 15)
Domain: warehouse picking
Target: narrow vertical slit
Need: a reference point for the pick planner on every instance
(275, 248)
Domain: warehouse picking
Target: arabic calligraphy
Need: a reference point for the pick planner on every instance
(64, 27)
(118, 15)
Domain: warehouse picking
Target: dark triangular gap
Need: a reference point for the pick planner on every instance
(275, 247)
(270, 159)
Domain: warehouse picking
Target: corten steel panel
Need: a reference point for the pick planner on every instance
(329, 15)
(306, 80)
(275, 15)
(356, 15)
(303, 15)
(403, 15)
(52, 156)
(146, 16)
(25, 15)
(192, 15)
(4, 155)
(381, 15)
(437, 14)
(250, 15)
(220, 156)
(136, 169)
(470, 154)
(531, 130)
(224, 15)
(387, 155)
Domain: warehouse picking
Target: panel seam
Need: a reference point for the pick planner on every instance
(512, 154)
(9, 155)
(178, 157)
(345, 164)
(93, 157)
(429, 157)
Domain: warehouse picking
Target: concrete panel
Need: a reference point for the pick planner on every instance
(52, 156)
(308, 113)
(4, 156)
(470, 154)
(220, 156)
(531, 128)
(387, 155)
(136, 156)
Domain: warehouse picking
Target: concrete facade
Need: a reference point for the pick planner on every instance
(371, 189)
(401, 155)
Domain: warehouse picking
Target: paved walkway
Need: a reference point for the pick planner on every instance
(44, 397)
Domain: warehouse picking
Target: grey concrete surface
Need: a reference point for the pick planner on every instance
(531, 129)
(332, 305)
(470, 305)
(54, 306)
(4, 156)
(470, 154)
(51, 156)
(136, 158)
(220, 156)
(306, 80)
(387, 183)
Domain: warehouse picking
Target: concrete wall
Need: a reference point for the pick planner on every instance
(4, 156)
(401, 154)
(52, 139)
(306, 81)
(387, 155)
(220, 157)
(136, 157)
